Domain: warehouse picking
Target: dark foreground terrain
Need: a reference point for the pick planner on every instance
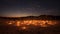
(36, 30)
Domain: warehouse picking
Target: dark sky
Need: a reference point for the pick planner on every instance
(19, 8)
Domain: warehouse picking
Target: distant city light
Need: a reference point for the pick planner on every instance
(9, 23)
(18, 23)
(24, 28)
(41, 23)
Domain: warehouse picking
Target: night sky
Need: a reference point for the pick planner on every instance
(20, 8)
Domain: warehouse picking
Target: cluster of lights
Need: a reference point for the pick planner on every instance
(26, 23)
(41, 23)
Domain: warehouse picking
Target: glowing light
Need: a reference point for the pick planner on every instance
(28, 22)
(23, 28)
(18, 23)
(21, 23)
(9, 23)
(52, 23)
(41, 23)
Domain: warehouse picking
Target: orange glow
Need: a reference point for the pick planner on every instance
(52, 23)
(42, 23)
(23, 28)
(27, 22)
(9, 23)
(21, 23)
(18, 23)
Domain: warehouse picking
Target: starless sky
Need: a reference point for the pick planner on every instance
(19, 8)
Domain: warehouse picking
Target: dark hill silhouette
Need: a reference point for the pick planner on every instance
(43, 17)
